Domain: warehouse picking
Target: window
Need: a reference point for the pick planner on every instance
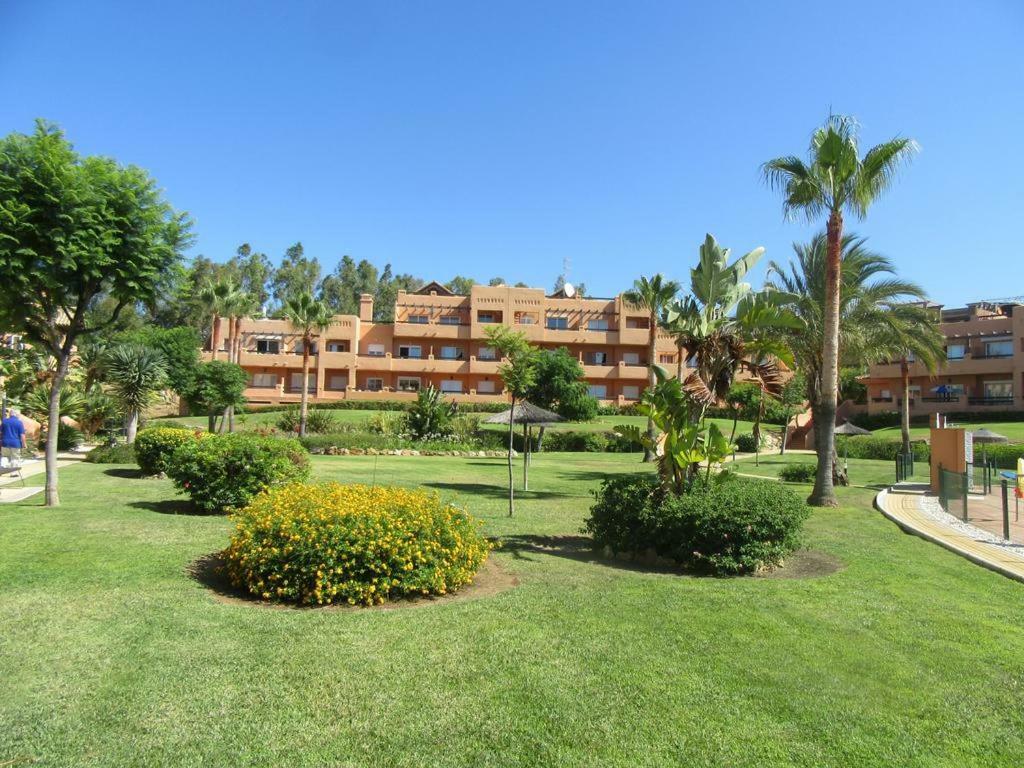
(631, 392)
(337, 383)
(638, 322)
(558, 322)
(264, 380)
(375, 350)
(526, 318)
(450, 320)
(337, 346)
(486, 353)
(268, 346)
(485, 317)
(955, 389)
(451, 353)
(295, 382)
(998, 389)
(375, 384)
(485, 387)
(955, 351)
(600, 391)
(666, 359)
(408, 384)
(597, 358)
(418, 319)
(597, 325)
(999, 348)
(411, 351)
(451, 385)
(633, 358)
(886, 394)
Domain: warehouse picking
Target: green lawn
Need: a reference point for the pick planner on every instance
(866, 473)
(1014, 430)
(111, 655)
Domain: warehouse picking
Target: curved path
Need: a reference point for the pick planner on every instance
(904, 505)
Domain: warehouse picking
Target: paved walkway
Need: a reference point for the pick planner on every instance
(12, 489)
(903, 504)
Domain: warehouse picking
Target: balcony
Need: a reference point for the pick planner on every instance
(431, 331)
(990, 401)
(269, 359)
(486, 367)
(639, 336)
(881, 399)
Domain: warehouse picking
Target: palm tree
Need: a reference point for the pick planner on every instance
(836, 179)
(135, 374)
(310, 317)
(872, 299)
(654, 295)
(214, 298)
(237, 304)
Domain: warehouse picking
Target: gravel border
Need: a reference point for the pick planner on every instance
(931, 507)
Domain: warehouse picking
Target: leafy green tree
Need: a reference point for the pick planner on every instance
(653, 294)
(252, 272)
(494, 282)
(135, 374)
(834, 180)
(869, 294)
(217, 386)
(791, 398)
(215, 299)
(310, 317)
(179, 347)
(850, 385)
(74, 230)
(559, 386)
(518, 371)
(387, 292)
(298, 274)
(460, 285)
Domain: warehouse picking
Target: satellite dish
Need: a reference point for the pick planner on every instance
(569, 290)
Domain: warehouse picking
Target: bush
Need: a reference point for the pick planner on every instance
(592, 442)
(155, 445)
(798, 473)
(119, 453)
(332, 543)
(223, 472)
(171, 424)
(880, 448)
(367, 441)
(381, 405)
(388, 423)
(726, 527)
(1004, 454)
(431, 415)
(746, 444)
(68, 437)
(317, 420)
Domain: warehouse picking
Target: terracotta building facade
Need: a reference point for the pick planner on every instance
(983, 370)
(439, 338)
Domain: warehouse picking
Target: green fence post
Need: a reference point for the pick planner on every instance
(1006, 509)
(942, 490)
(963, 493)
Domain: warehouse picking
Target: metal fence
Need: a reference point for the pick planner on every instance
(953, 488)
(904, 466)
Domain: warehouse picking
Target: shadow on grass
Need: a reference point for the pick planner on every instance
(496, 491)
(168, 507)
(131, 473)
(579, 548)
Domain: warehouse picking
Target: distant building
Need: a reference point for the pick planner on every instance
(439, 338)
(983, 370)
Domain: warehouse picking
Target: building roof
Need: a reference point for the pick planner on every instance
(434, 287)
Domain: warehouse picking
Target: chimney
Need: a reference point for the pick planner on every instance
(366, 307)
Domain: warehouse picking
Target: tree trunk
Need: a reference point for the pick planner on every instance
(785, 434)
(215, 336)
(526, 457)
(53, 429)
(823, 494)
(211, 423)
(132, 427)
(540, 438)
(511, 483)
(757, 429)
(679, 362)
(648, 453)
(905, 416)
(305, 388)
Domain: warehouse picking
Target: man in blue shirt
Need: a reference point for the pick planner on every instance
(12, 437)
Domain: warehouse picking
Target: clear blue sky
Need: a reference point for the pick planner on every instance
(497, 138)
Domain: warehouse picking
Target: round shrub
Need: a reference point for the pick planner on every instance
(333, 543)
(223, 472)
(623, 515)
(317, 420)
(119, 453)
(154, 446)
(731, 528)
(798, 473)
(747, 444)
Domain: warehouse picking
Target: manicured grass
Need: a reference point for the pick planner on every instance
(866, 473)
(111, 655)
(1014, 430)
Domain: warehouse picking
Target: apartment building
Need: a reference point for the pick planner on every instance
(983, 370)
(439, 338)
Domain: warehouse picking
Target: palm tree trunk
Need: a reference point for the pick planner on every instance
(905, 416)
(511, 482)
(132, 427)
(53, 429)
(305, 387)
(215, 336)
(757, 429)
(229, 412)
(823, 494)
(679, 362)
(648, 453)
(785, 434)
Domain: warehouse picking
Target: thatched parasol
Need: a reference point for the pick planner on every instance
(527, 414)
(984, 436)
(851, 430)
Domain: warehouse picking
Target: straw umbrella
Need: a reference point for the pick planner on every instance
(527, 414)
(985, 436)
(851, 430)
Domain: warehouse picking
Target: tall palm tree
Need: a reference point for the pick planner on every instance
(871, 300)
(654, 295)
(309, 317)
(135, 374)
(214, 298)
(237, 304)
(836, 179)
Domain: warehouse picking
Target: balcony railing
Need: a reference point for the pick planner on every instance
(881, 399)
(997, 356)
(990, 400)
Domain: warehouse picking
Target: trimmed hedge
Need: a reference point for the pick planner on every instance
(725, 527)
(747, 444)
(798, 473)
(155, 445)
(1004, 454)
(120, 453)
(880, 448)
(332, 543)
(224, 472)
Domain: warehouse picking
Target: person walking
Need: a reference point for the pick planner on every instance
(12, 438)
